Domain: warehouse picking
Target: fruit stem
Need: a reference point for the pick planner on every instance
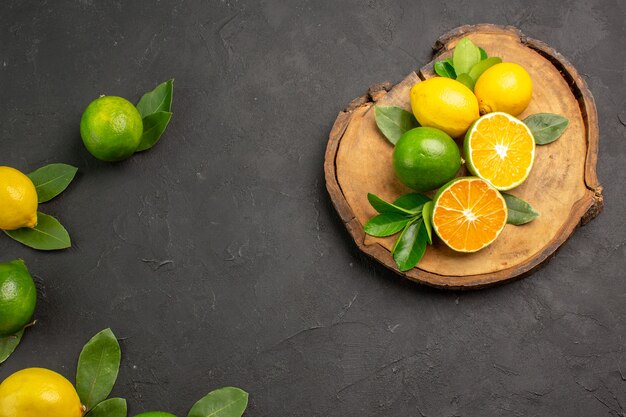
(31, 324)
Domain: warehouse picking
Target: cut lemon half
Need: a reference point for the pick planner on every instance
(500, 149)
(468, 214)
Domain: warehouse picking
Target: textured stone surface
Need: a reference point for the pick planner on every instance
(217, 256)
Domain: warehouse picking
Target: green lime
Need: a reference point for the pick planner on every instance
(155, 414)
(18, 297)
(426, 158)
(111, 128)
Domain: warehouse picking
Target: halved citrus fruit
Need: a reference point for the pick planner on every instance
(468, 214)
(500, 149)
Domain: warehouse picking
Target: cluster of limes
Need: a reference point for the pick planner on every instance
(111, 129)
(469, 212)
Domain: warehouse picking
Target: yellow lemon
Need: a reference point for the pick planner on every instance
(37, 392)
(505, 87)
(445, 104)
(18, 200)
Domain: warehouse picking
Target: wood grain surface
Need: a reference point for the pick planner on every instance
(562, 186)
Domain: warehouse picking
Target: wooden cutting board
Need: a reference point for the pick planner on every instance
(562, 186)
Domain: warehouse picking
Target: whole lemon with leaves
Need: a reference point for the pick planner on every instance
(38, 392)
(445, 104)
(18, 200)
(505, 87)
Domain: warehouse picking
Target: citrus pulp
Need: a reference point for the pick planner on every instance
(468, 214)
(500, 149)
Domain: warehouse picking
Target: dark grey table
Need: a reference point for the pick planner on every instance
(217, 257)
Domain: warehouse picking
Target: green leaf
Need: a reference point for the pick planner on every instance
(427, 212)
(465, 56)
(223, 402)
(412, 202)
(520, 212)
(445, 69)
(410, 246)
(483, 53)
(546, 127)
(394, 121)
(51, 180)
(113, 407)
(98, 365)
(386, 224)
(449, 61)
(466, 80)
(478, 69)
(157, 100)
(382, 206)
(8, 345)
(153, 127)
(49, 234)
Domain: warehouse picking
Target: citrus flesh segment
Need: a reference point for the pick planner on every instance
(468, 214)
(500, 149)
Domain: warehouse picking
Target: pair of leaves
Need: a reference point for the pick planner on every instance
(394, 121)
(519, 211)
(467, 64)
(50, 181)
(223, 402)
(98, 366)
(546, 127)
(408, 214)
(155, 108)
